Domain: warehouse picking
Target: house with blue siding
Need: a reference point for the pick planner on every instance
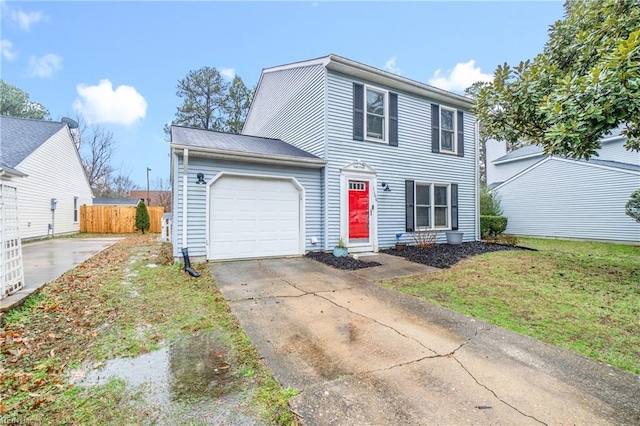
(331, 149)
(544, 195)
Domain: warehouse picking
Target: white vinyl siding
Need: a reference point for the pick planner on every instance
(502, 172)
(412, 159)
(54, 171)
(289, 105)
(614, 151)
(568, 199)
(310, 179)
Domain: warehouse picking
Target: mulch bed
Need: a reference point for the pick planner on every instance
(446, 255)
(439, 256)
(347, 263)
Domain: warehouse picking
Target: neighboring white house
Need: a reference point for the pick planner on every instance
(331, 148)
(46, 153)
(550, 196)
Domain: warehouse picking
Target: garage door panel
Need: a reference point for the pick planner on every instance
(254, 217)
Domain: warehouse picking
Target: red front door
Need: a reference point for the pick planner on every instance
(358, 209)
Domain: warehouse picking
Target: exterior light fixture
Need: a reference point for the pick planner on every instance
(200, 177)
(385, 187)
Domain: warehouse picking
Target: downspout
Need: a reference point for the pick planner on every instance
(185, 249)
(477, 183)
(326, 157)
(185, 171)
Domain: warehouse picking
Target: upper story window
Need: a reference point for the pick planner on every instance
(447, 130)
(376, 114)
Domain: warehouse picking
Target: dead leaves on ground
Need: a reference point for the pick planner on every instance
(39, 342)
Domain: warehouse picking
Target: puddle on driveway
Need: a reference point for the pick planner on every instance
(189, 379)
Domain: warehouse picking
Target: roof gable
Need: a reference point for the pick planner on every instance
(605, 164)
(20, 137)
(366, 72)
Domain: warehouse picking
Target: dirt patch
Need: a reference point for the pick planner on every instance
(446, 255)
(345, 263)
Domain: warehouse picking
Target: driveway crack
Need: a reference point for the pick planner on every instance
(495, 394)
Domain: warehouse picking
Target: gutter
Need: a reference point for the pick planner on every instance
(251, 157)
(357, 69)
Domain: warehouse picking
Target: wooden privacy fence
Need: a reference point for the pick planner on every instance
(116, 219)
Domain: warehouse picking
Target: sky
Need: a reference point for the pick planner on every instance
(116, 64)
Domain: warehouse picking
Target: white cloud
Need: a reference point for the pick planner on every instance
(228, 73)
(44, 66)
(6, 47)
(391, 66)
(26, 19)
(102, 104)
(463, 75)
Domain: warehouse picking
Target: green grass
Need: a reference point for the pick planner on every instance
(116, 305)
(581, 296)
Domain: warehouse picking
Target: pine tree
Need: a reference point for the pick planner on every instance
(142, 217)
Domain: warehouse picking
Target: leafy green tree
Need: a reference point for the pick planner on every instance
(209, 102)
(632, 208)
(204, 100)
(238, 105)
(585, 83)
(15, 102)
(489, 203)
(143, 222)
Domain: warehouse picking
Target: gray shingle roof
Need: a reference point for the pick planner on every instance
(230, 142)
(19, 137)
(616, 164)
(521, 152)
(537, 149)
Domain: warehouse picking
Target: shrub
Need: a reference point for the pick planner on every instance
(143, 223)
(492, 225)
(424, 239)
(489, 203)
(632, 208)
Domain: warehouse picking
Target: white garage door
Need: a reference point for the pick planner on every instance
(253, 217)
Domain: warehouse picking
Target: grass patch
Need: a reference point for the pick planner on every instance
(580, 296)
(128, 300)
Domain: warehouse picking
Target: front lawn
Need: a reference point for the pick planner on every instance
(580, 296)
(128, 301)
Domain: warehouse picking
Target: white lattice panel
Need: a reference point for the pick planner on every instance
(11, 272)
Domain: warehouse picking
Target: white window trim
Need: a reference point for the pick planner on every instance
(385, 136)
(455, 131)
(432, 206)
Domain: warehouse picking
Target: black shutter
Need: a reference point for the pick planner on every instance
(460, 134)
(358, 112)
(435, 128)
(393, 119)
(409, 212)
(454, 206)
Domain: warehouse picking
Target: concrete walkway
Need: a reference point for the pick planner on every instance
(46, 260)
(362, 354)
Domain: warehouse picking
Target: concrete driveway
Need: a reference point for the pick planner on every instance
(362, 354)
(46, 260)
